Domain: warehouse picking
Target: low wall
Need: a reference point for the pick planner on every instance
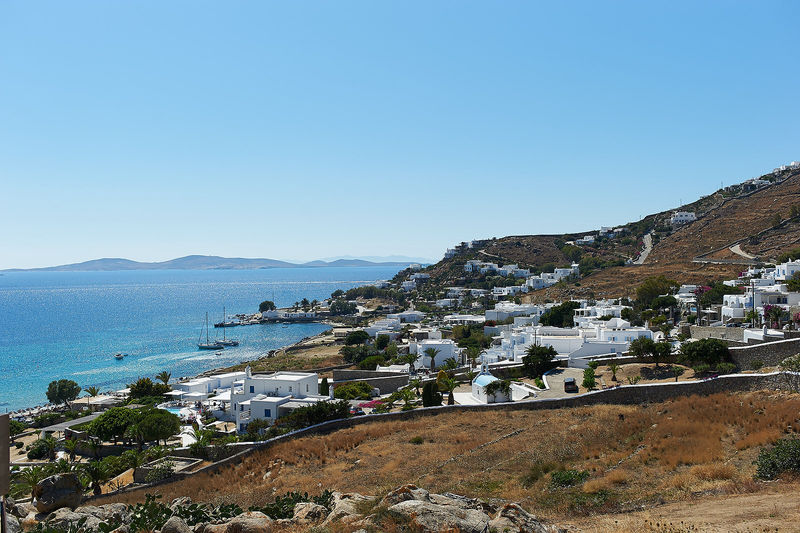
(352, 375)
(768, 353)
(622, 395)
(710, 332)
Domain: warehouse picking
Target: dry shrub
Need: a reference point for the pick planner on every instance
(713, 471)
(608, 481)
(759, 438)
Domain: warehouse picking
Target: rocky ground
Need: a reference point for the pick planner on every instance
(56, 507)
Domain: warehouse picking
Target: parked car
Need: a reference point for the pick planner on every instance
(570, 385)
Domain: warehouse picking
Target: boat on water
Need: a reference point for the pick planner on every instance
(208, 345)
(119, 356)
(225, 340)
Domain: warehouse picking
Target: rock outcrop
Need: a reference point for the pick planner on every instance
(427, 516)
(55, 492)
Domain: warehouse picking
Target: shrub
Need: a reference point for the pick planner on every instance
(431, 395)
(568, 478)
(314, 414)
(371, 362)
(539, 383)
(536, 472)
(705, 351)
(353, 390)
(593, 365)
(163, 470)
(38, 450)
(701, 368)
(358, 336)
(756, 364)
(726, 368)
(283, 506)
(783, 456)
(416, 440)
(588, 379)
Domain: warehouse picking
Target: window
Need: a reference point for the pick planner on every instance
(267, 413)
(252, 389)
(306, 387)
(290, 388)
(241, 407)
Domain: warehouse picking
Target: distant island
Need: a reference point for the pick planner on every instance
(202, 262)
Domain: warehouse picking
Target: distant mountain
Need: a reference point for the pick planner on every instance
(383, 259)
(202, 262)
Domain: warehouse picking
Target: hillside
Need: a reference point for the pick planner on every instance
(695, 253)
(632, 460)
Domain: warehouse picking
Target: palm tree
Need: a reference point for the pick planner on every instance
(408, 396)
(95, 445)
(415, 384)
(52, 445)
(473, 352)
(613, 367)
(432, 353)
(71, 447)
(314, 304)
(30, 477)
(448, 384)
(296, 305)
(91, 392)
(97, 472)
(163, 377)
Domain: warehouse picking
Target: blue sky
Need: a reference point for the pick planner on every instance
(298, 130)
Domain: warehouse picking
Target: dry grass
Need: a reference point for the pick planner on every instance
(668, 450)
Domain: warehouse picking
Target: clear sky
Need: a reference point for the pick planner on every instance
(297, 130)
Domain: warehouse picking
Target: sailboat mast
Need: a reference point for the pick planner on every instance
(207, 327)
(224, 316)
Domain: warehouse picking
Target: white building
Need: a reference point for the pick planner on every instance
(447, 350)
(202, 388)
(271, 396)
(785, 271)
(408, 285)
(412, 315)
(383, 326)
(505, 310)
(588, 239)
(682, 217)
(479, 388)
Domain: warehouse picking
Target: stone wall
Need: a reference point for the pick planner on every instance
(768, 353)
(386, 382)
(353, 375)
(709, 332)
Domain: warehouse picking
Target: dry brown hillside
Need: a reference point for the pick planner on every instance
(634, 457)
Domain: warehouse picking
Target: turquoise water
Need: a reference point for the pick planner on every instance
(57, 325)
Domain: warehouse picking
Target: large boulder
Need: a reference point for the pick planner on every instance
(55, 492)
(249, 522)
(12, 524)
(344, 507)
(428, 516)
(405, 493)
(511, 517)
(65, 519)
(175, 525)
(309, 513)
(112, 513)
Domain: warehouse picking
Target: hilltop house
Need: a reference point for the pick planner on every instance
(682, 217)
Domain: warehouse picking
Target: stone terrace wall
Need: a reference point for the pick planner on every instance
(622, 395)
(769, 353)
(709, 332)
(386, 382)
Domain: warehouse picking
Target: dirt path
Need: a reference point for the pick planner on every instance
(777, 509)
(648, 247)
(737, 249)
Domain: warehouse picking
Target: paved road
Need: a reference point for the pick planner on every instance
(648, 247)
(737, 249)
(555, 380)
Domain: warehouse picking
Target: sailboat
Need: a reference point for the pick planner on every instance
(225, 341)
(208, 345)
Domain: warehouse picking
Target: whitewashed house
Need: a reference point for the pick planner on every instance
(270, 396)
(448, 349)
(682, 217)
(479, 387)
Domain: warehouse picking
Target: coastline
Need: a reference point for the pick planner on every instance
(305, 342)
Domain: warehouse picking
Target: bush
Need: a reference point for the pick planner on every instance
(431, 395)
(353, 390)
(382, 342)
(163, 470)
(314, 414)
(417, 440)
(283, 506)
(702, 368)
(726, 368)
(538, 382)
(588, 379)
(358, 336)
(568, 478)
(144, 387)
(593, 365)
(783, 456)
(757, 364)
(371, 362)
(38, 450)
(705, 351)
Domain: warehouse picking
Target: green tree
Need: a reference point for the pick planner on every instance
(71, 447)
(112, 424)
(97, 473)
(473, 352)
(324, 387)
(29, 477)
(793, 283)
(431, 396)
(589, 379)
(358, 336)
(538, 360)
(432, 353)
(353, 390)
(62, 391)
(614, 368)
(15, 428)
(448, 384)
(158, 424)
(560, 316)
(144, 387)
(305, 304)
(705, 351)
(382, 342)
(266, 305)
(163, 377)
(51, 445)
(642, 347)
(652, 288)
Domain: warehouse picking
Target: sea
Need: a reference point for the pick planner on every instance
(69, 325)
